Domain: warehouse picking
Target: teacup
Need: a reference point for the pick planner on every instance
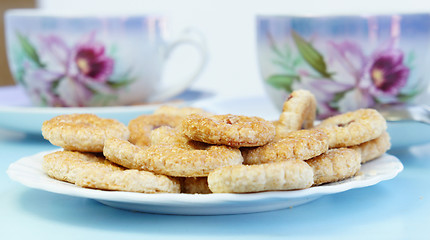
(81, 60)
(347, 62)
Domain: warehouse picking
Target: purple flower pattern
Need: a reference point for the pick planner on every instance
(356, 80)
(56, 74)
(93, 63)
(388, 73)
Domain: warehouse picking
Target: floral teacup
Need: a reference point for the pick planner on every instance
(78, 60)
(347, 62)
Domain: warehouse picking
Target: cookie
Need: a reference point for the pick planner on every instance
(285, 175)
(353, 128)
(374, 148)
(298, 111)
(82, 132)
(335, 165)
(172, 160)
(94, 171)
(301, 145)
(230, 130)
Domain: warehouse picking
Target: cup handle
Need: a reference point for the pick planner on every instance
(191, 37)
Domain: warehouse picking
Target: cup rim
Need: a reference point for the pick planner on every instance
(340, 15)
(38, 12)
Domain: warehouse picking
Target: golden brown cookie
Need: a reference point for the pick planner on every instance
(122, 152)
(353, 128)
(195, 185)
(94, 171)
(129, 180)
(172, 136)
(335, 165)
(82, 132)
(374, 148)
(301, 145)
(142, 126)
(230, 130)
(172, 160)
(68, 165)
(178, 111)
(299, 111)
(285, 175)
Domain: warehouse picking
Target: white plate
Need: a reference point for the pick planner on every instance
(16, 112)
(28, 171)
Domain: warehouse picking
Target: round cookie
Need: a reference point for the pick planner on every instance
(301, 145)
(374, 148)
(353, 128)
(172, 160)
(94, 171)
(335, 165)
(230, 130)
(285, 175)
(171, 116)
(142, 126)
(82, 132)
(68, 165)
(298, 111)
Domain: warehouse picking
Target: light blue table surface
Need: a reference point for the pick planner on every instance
(393, 209)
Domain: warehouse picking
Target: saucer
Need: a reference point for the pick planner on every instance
(408, 133)
(17, 113)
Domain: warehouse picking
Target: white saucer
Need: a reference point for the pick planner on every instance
(17, 114)
(29, 172)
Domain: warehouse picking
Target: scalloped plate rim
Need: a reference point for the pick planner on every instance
(28, 171)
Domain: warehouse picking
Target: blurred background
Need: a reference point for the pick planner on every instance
(227, 25)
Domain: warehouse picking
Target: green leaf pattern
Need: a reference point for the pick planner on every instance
(311, 55)
(283, 81)
(29, 50)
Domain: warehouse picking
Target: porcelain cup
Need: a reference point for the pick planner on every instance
(85, 60)
(347, 62)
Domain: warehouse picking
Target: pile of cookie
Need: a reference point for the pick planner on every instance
(189, 150)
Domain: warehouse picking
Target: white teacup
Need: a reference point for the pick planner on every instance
(72, 60)
(348, 61)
